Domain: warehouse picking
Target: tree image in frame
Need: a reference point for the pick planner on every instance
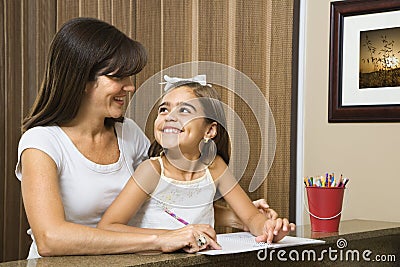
(379, 58)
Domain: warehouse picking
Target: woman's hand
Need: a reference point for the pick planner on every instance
(188, 237)
(275, 229)
(263, 207)
(224, 216)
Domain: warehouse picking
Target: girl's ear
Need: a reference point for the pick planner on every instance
(211, 131)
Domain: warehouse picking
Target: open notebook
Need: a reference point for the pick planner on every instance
(244, 241)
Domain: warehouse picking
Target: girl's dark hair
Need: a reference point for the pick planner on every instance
(214, 112)
(82, 50)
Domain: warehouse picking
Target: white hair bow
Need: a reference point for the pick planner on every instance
(171, 81)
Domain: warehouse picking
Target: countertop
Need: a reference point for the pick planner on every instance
(380, 237)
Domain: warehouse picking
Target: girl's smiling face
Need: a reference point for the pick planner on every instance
(180, 122)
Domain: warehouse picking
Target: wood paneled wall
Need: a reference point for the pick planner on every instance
(26, 30)
(254, 37)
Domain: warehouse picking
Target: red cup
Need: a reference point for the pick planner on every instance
(325, 207)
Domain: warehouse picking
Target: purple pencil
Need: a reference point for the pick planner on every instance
(175, 216)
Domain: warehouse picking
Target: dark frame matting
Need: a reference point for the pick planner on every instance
(362, 113)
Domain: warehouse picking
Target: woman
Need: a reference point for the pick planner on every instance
(69, 158)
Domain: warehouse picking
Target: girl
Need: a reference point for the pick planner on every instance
(188, 165)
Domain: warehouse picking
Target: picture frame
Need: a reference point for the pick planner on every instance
(351, 99)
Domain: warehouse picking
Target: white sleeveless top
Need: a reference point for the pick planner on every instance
(190, 201)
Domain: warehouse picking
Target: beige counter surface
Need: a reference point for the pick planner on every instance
(381, 238)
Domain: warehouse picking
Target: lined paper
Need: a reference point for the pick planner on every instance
(244, 241)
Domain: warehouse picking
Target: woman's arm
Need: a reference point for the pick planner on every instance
(53, 234)
(56, 236)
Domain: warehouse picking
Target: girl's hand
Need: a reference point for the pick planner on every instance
(275, 230)
(187, 238)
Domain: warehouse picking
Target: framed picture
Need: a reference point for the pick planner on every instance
(364, 67)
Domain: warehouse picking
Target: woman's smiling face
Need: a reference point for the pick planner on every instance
(107, 95)
(180, 121)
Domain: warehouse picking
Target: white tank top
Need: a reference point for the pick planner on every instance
(189, 201)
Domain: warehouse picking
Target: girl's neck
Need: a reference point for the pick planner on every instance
(181, 168)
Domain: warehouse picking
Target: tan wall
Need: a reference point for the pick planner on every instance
(367, 153)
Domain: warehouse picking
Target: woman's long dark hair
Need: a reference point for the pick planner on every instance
(82, 50)
(213, 112)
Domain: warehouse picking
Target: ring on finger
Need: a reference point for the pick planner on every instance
(201, 240)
